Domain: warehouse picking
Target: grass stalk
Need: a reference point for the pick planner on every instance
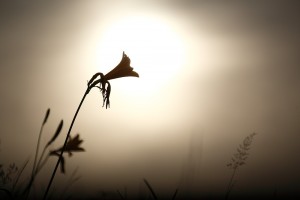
(27, 190)
(37, 150)
(19, 175)
(230, 184)
(39, 141)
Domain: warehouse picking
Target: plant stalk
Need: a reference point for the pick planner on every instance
(27, 190)
(230, 184)
(37, 149)
(65, 144)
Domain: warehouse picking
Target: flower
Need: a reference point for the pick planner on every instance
(123, 69)
(72, 146)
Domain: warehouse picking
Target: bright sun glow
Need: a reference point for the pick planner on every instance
(155, 49)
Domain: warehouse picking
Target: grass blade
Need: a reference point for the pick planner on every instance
(175, 194)
(19, 174)
(150, 188)
(119, 193)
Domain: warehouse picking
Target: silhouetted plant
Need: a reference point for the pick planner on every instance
(72, 146)
(153, 194)
(175, 194)
(40, 163)
(73, 178)
(19, 173)
(150, 188)
(9, 176)
(123, 69)
(39, 140)
(6, 176)
(37, 165)
(121, 196)
(238, 159)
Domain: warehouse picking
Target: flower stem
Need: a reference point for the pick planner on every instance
(64, 147)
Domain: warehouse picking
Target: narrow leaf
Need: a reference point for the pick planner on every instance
(150, 188)
(20, 173)
(119, 193)
(62, 161)
(56, 133)
(46, 116)
(175, 194)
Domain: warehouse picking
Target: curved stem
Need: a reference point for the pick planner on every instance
(40, 160)
(37, 149)
(64, 147)
(27, 190)
(35, 172)
(19, 175)
(38, 169)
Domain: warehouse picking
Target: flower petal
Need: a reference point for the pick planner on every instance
(123, 69)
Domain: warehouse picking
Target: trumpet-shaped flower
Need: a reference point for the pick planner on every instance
(123, 69)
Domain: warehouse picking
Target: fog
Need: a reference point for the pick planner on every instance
(241, 75)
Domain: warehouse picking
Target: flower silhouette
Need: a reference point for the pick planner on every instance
(73, 145)
(123, 69)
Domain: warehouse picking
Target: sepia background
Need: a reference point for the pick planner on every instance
(211, 73)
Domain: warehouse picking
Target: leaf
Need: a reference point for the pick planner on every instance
(56, 133)
(62, 160)
(119, 193)
(150, 188)
(175, 193)
(46, 116)
(73, 145)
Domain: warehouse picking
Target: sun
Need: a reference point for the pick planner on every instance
(154, 46)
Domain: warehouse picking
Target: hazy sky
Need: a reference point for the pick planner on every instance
(210, 73)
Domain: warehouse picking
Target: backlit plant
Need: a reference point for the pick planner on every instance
(238, 159)
(100, 81)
